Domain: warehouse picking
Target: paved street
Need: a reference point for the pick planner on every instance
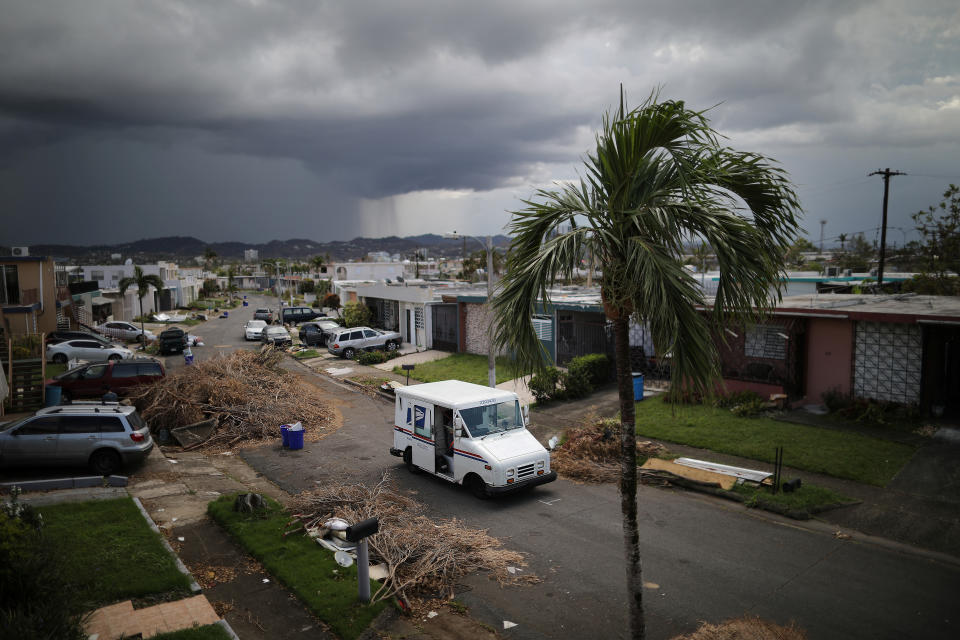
(704, 559)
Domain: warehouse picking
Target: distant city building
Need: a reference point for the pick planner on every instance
(251, 255)
(378, 256)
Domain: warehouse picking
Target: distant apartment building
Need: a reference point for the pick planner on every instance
(251, 255)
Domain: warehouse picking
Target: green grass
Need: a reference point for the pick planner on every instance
(833, 452)
(206, 632)
(461, 366)
(305, 355)
(109, 551)
(807, 499)
(309, 570)
(370, 381)
(55, 369)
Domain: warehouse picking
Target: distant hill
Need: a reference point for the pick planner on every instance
(184, 247)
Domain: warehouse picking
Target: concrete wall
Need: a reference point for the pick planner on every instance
(37, 282)
(476, 328)
(829, 357)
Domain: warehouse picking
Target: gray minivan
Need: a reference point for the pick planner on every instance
(103, 436)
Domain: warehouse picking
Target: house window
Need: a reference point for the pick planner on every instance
(96, 275)
(766, 341)
(9, 284)
(418, 315)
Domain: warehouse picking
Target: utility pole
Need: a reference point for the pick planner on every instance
(886, 173)
(823, 223)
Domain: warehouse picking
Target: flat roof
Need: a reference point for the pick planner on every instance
(455, 393)
(860, 306)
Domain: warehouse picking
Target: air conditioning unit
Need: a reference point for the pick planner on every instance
(20, 251)
(832, 272)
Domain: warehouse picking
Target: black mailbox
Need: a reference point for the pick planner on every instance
(408, 367)
(363, 529)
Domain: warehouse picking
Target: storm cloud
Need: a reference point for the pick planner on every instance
(254, 120)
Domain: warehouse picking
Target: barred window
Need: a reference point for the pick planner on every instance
(9, 284)
(765, 341)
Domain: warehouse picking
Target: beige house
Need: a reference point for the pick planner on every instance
(28, 295)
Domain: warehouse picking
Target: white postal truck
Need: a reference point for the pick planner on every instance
(468, 434)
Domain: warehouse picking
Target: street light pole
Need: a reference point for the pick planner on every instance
(491, 355)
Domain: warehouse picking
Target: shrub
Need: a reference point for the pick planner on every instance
(373, 357)
(731, 400)
(575, 384)
(543, 385)
(835, 400)
(331, 301)
(749, 407)
(594, 367)
(356, 315)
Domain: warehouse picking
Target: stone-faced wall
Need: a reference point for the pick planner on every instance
(477, 328)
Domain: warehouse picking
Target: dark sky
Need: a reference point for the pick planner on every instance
(254, 120)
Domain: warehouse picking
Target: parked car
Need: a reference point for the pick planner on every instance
(62, 336)
(253, 328)
(125, 331)
(103, 436)
(316, 333)
(89, 350)
(296, 315)
(347, 342)
(172, 340)
(94, 380)
(263, 314)
(276, 336)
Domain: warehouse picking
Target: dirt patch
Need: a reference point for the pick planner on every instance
(745, 628)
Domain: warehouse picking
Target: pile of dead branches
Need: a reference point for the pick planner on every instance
(245, 393)
(745, 628)
(422, 556)
(591, 452)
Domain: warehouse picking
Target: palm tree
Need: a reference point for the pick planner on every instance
(658, 177)
(843, 241)
(142, 282)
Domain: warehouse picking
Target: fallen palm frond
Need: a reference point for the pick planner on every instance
(591, 452)
(422, 556)
(245, 393)
(745, 628)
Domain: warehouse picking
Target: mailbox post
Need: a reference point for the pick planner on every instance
(358, 533)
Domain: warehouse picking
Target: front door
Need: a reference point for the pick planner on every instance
(409, 323)
(424, 451)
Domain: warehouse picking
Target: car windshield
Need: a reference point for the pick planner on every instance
(253, 324)
(492, 418)
(71, 372)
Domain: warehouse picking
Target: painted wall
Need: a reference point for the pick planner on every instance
(37, 282)
(829, 357)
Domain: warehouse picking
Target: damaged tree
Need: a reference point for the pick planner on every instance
(245, 394)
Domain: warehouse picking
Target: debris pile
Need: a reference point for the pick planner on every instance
(245, 393)
(591, 452)
(422, 556)
(745, 628)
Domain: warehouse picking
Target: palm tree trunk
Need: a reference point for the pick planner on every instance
(628, 477)
(143, 336)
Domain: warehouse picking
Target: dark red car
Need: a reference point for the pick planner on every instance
(95, 379)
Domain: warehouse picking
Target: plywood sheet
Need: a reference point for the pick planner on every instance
(700, 475)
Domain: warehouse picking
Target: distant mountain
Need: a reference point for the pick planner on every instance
(184, 247)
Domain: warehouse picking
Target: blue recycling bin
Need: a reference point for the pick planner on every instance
(245, 303)
(295, 439)
(284, 435)
(52, 395)
(637, 387)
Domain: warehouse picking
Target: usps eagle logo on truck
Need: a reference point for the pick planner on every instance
(419, 415)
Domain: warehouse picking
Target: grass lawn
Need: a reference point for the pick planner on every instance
(461, 366)
(109, 551)
(807, 499)
(206, 632)
(305, 355)
(837, 453)
(309, 570)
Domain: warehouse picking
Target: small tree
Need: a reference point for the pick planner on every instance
(356, 314)
(331, 301)
(939, 227)
(142, 282)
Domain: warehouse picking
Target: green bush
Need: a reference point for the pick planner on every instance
(543, 385)
(835, 400)
(574, 384)
(373, 357)
(356, 315)
(594, 367)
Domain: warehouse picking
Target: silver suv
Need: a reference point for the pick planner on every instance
(347, 342)
(104, 436)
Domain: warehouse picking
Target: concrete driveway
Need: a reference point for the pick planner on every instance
(703, 559)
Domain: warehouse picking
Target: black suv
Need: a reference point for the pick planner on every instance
(294, 315)
(316, 333)
(172, 340)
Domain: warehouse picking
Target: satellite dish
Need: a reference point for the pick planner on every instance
(343, 558)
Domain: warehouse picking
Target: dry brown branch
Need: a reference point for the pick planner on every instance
(591, 452)
(247, 394)
(745, 628)
(422, 555)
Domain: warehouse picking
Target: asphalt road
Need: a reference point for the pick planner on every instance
(704, 559)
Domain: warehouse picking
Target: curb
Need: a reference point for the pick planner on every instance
(194, 587)
(226, 627)
(77, 482)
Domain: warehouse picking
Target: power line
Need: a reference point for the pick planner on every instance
(887, 174)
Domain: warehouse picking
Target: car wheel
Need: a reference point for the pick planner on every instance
(408, 460)
(60, 358)
(348, 353)
(478, 488)
(114, 358)
(104, 462)
(392, 346)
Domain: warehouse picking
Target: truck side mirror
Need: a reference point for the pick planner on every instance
(525, 410)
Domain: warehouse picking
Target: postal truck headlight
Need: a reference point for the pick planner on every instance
(540, 464)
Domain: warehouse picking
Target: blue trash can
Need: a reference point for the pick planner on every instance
(245, 303)
(52, 395)
(637, 387)
(295, 439)
(284, 435)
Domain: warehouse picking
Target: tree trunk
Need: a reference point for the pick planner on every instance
(143, 335)
(628, 477)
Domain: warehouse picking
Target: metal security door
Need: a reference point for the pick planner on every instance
(445, 327)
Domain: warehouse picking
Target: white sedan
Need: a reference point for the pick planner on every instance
(253, 329)
(89, 350)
